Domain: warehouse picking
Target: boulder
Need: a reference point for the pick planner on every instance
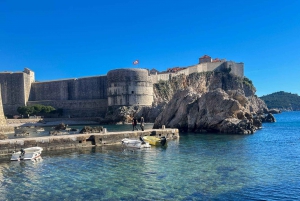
(88, 129)
(213, 111)
(269, 118)
(61, 126)
(274, 111)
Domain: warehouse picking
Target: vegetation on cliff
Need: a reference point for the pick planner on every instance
(282, 100)
(248, 82)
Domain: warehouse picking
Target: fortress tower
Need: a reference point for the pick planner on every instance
(129, 87)
(15, 89)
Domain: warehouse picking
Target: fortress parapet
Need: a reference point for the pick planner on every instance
(91, 96)
(129, 87)
(206, 63)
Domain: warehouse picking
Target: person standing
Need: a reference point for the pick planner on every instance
(134, 123)
(142, 125)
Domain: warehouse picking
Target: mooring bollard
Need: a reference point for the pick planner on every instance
(163, 127)
(104, 130)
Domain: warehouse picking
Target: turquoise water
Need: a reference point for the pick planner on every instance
(110, 128)
(263, 166)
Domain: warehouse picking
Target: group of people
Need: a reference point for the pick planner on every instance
(135, 122)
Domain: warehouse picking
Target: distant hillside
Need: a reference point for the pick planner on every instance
(282, 100)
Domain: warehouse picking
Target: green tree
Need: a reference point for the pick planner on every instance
(47, 109)
(36, 110)
(25, 110)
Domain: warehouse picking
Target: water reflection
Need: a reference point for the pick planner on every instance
(194, 167)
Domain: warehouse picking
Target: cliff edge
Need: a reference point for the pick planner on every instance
(210, 102)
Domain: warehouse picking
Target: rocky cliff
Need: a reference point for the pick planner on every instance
(210, 102)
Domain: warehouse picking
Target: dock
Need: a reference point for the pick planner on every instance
(77, 141)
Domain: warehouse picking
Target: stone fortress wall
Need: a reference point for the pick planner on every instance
(82, 97)
(129, 87)
(15, 89)
(91, 96)
(236, 69)
(86, 88)
(77, 108)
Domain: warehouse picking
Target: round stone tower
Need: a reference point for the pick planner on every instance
(129, 87)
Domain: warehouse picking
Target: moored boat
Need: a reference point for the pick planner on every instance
(27, 154)
(133, 143)
(162, 141)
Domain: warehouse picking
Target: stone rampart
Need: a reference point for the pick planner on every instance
(90, 96)
(129, 87)
(13, 91)
(78, 141)
(236, 69)
(163, 76)
(70, 89)
(55, 90)
(77, 108)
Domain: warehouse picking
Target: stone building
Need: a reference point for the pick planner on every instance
(91, 96)
(205, 59)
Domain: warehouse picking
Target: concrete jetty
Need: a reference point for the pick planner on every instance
(78, 141)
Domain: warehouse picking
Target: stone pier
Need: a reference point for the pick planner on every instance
(80, 140)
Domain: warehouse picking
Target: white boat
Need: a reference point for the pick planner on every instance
(133, 143)
(27, 154)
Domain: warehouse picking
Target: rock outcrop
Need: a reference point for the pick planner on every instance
(61, 126)
(125, 114)
(274, 111)
(211, 102)
(88, 129)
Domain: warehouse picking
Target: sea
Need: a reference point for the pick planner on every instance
(261, 166)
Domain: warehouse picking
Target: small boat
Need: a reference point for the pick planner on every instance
(133, 143)
(162, 141)
(27, 154)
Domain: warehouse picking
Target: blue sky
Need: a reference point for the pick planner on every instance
(68, 39)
